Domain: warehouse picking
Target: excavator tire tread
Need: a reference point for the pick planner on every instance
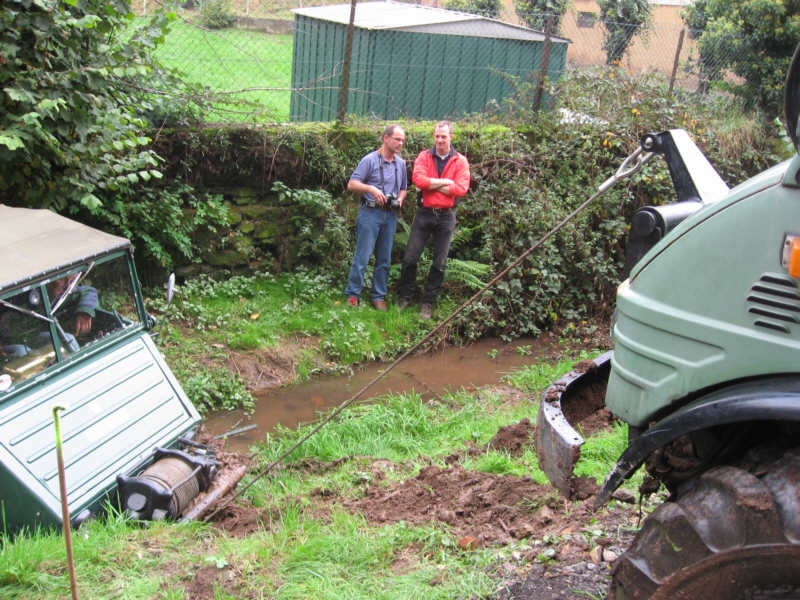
(726, 534)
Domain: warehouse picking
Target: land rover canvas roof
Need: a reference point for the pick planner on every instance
(35, 241)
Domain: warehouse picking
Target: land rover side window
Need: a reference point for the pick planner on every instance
(26, 347)
(92, 303)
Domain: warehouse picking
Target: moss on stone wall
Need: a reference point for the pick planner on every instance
(242, 163)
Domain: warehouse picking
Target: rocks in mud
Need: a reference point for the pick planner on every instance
(609, 556)
(598, 555)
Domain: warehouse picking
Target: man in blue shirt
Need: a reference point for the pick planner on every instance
(381, 180)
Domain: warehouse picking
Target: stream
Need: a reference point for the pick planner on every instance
(479, 364)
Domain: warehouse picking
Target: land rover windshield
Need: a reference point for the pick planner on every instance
(67, 288)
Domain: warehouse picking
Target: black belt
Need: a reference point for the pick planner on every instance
(386, 205)
(439, 210)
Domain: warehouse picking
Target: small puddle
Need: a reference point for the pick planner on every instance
(479, 364)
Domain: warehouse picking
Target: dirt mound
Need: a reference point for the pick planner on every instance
(491, 509)
(239, 520)
(513, 438)
(264, 368)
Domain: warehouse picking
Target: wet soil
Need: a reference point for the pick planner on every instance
(563, 549)
(566, 549)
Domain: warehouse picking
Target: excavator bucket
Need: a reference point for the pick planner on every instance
(566, 403)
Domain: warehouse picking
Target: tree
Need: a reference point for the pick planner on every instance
(534, 13)
(76, 79)
(485, 8)
(753, 38)
(66, 126)
(622, 20)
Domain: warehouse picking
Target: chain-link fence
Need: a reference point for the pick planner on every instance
(462, 63)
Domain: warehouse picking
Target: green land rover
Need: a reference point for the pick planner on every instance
(74, 333)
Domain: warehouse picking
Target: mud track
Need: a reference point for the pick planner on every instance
(566, 549)
(570, 548)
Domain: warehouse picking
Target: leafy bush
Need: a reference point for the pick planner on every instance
(520, 192)
(69, 130)
(319, 233)
(218, 389)
(216, 14)
(485, 8)
(161, 222)
(77, 80)
(753, 38)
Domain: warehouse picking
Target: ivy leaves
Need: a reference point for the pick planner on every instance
(69, 133)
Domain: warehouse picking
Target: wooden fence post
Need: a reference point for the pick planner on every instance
(675, 63)
(348, 51)
(537, 99)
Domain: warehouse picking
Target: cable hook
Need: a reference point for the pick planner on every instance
(626, 169)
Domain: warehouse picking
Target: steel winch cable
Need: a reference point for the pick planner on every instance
(629, 166)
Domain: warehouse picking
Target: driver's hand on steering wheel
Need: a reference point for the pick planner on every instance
(83, 324)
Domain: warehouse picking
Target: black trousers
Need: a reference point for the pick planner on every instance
(428, 223)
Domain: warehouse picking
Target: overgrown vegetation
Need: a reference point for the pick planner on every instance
(755, 39)
(529, 171)
(522, 191)
(78, 85)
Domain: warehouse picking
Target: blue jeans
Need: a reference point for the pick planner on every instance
(427, 223)
(375, 229)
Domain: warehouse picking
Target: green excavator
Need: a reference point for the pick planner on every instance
(705, 371)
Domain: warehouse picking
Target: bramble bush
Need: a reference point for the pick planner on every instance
(79, 83)
(520, 193)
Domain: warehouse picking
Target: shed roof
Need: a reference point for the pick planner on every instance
(399, 16)
(35, 241)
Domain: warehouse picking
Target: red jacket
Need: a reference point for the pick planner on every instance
(457, 169)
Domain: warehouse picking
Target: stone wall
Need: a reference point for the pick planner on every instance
(242, 164)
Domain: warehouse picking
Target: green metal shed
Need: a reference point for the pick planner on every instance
(410, 61)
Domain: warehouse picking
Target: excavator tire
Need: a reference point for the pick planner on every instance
(731, 533)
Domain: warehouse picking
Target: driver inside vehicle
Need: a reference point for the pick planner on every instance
(74, 307)
(26, 344)
(79, 307)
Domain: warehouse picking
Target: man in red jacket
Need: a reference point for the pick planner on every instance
(442, 174)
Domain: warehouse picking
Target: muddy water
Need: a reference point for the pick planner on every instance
(476, 365)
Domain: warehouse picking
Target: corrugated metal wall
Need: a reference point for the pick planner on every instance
(397, 74)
